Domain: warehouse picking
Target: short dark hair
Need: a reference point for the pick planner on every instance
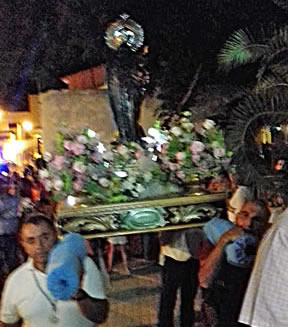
(262, 209)
(37, 220)
(260, 221)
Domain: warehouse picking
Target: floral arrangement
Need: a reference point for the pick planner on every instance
(175, 153)
(194, 150)
(83, 166)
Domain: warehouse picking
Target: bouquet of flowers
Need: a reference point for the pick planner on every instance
(192, 150)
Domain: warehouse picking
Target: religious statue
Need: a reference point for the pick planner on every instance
(127, 76)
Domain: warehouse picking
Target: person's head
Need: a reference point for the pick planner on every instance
(45, 206)
(4, 186)
(220, 183)
(28, 173)
(253, 216)
(37, 235)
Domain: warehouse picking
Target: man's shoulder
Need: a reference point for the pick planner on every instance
(88, 262)
(20, 271)
(282, 222)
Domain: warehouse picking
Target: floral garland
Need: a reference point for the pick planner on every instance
(110, 173)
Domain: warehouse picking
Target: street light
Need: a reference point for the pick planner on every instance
(27, 125)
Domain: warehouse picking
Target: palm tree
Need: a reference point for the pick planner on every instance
(268, 49)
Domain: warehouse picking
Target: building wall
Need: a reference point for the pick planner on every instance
(77, 109)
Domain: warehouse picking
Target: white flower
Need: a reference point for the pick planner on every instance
(154, 132)
(82, 139)
(186, 113)
(103, 182)
(47, 156)
(215, 144)
(180, 156)
(139, 188)
(121, 174)
(58, 184)
(132, 178)
(48, 185)
(208, 124)
(43, 173)
(177, 131)
(188, 126)
(127, 185)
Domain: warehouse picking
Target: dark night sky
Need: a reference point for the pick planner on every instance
(42, 40)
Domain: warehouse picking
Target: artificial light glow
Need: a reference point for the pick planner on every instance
(12, 136)
(1, 114)
(71, 200)
(11, 149)
(4, 173)
(27, 125)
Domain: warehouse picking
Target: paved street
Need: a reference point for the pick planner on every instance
(134, 298)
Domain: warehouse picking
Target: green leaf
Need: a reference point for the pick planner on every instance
(173, 147)
(67, 180)
(238, 50)
(59, 143)
(92, 188)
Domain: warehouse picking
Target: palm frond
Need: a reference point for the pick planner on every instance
(281, 3)
(239, 49)
(272, 76)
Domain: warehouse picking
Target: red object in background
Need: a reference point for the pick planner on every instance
(86, 79)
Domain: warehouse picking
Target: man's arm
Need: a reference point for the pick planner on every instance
(16, 324)
(93, 309)
(208, 265)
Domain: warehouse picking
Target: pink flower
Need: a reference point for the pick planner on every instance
(197, 147)
(96, 157)
(138, 154)
(77, 148)
(218, 152)
(68, 145)
(77, 185)
(58, 162)
(180, 174)
(123, 150)
(172, 166)
(164, 148)
(195, 158)
(79, 167)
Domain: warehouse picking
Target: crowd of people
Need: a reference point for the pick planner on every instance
(19, 195)
(212, 267)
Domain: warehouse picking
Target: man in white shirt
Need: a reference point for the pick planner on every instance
(26, 299)
(180, 253)
(265, 303)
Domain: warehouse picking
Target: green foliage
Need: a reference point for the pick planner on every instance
(238, 50)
